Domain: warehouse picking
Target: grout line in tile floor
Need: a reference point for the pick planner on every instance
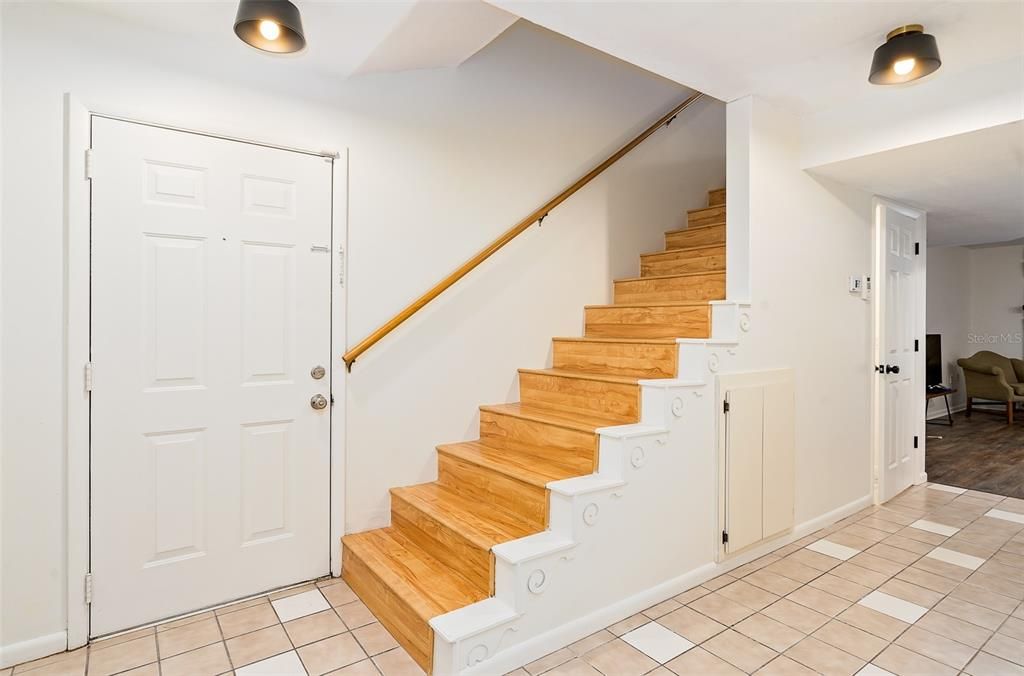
(838, 601)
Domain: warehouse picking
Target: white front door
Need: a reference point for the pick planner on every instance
(901, 393)
(210, 306)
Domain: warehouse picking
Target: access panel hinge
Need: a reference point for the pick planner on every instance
(725, 537)
(88, 163)
(89, 367)
(917, 248)
(88, 587)
(915, 441)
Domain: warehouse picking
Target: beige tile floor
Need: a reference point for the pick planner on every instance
(317, 628)
(931, 583)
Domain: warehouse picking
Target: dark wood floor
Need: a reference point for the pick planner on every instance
(982, 453)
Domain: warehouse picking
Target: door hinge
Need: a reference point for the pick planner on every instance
(89, 367)
(915, 441)
(917, 248)
(917, 345)
(88, 587)
(332, 399)
(88, 163)
(725, 407)
(725, 537)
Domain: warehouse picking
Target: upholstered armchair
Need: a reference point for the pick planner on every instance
(994, 378)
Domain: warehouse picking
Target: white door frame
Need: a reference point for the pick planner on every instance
(878, 308)
(77, 207)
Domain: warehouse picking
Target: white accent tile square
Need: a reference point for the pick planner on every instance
(871, 670)
(657, 642)
(893, 607)
(285, 664)
(1005, 516)
(948, 489)
(956, 558)
(937, 528)
(833, 549)
(300, 605)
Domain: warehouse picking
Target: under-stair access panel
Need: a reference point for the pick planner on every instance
(756, 454)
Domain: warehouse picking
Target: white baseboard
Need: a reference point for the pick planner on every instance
(33, 649)
(539, 646)
(942, 414)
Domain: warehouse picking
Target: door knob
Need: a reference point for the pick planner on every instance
(317, 372)
(892, 369)
(318, 402)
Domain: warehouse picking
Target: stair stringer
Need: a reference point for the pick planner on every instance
(637, 513)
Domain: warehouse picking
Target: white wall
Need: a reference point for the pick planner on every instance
(997, 299)
(440, 163)
(948, 313)
(975, 296)
(806, 237)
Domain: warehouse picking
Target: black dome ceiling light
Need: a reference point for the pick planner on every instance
(908, 54)
(270, 25)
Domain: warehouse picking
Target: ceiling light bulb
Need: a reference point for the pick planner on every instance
(903, 66)
(273, 26)
(272, 31)
(908, 54)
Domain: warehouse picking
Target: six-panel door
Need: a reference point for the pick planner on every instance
(898, 352)
(210, 306)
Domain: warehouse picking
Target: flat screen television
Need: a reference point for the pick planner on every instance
(933, 359)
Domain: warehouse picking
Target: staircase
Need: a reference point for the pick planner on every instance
(437, 555)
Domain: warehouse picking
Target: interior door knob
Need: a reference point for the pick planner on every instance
(892, 369)
(318, 402)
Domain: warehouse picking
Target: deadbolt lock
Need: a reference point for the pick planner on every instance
(318, 402)
(317, 372)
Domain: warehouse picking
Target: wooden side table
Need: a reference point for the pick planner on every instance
(929, 395)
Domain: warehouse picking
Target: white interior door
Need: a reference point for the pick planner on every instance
(900, 394)
(210, 306)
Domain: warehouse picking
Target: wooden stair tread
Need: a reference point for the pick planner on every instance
(584, 375)
(573, 421)
(482, 527)
(639, 341)
(703, 273)
(685, 249)
(691, 229)
(530, 469)
(428, 587)
(662, 303)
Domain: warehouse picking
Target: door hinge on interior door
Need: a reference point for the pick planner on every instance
(915, 441)
(88, 587)
(88, 163)
(725, 537)
(89, 366)
(917, 248)
(725, 407)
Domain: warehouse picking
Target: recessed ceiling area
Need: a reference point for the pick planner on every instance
(343, 38)
(803, 56)
(971, 185)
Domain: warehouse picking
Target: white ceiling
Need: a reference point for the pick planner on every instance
(971, 185)
(343, 37)
(804, 56)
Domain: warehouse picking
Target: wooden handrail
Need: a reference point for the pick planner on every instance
(520, 227)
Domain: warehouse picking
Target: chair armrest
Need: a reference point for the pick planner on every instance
(984, 381)
(984, 369)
